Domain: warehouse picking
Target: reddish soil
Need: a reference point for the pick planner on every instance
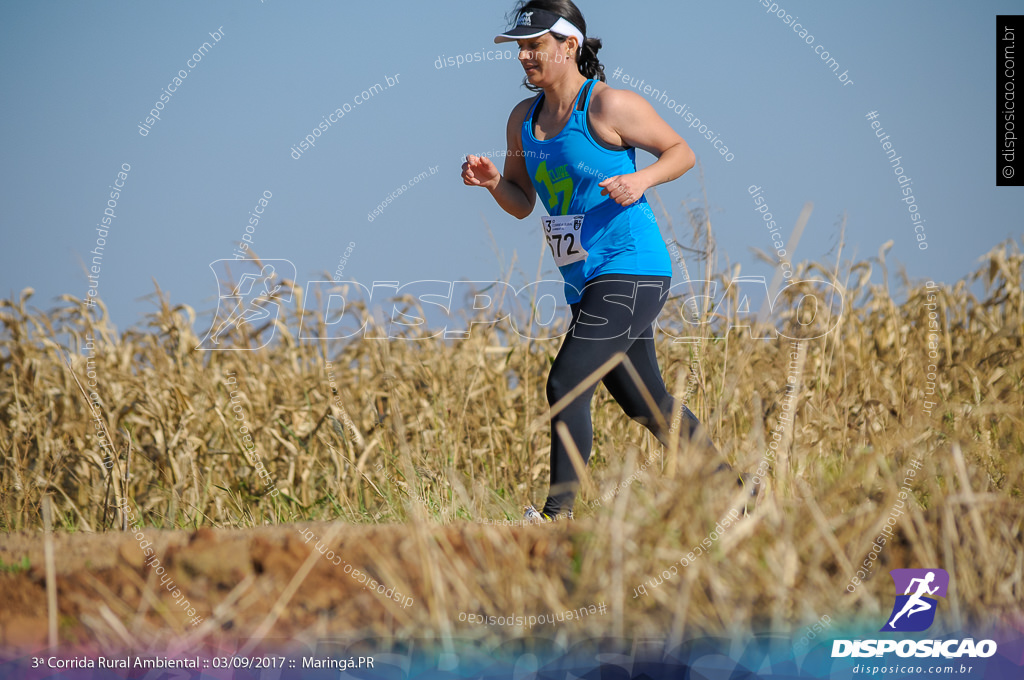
(108, 596)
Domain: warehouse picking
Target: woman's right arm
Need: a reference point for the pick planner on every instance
(512, 190)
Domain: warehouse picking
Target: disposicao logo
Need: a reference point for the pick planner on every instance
(913, 611)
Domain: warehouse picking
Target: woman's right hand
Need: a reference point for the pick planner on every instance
(479, 171)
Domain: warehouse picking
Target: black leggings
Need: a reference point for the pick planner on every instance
(615, 314)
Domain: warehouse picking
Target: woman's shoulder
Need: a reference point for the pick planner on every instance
(516, 120)
(606, 99)
(519, 113)
(520, 109)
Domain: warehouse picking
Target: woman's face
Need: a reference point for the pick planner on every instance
(543, 58)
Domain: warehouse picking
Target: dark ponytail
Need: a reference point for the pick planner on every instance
(586, 56)
(590, 67)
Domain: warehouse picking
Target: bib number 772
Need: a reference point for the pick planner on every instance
(563, 234)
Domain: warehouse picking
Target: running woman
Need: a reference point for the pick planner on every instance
(575, 145)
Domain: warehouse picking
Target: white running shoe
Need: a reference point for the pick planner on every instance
(532, 514)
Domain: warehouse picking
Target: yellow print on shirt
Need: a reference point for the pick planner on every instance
(557, 182)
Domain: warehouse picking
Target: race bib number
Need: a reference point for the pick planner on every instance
(563, 233)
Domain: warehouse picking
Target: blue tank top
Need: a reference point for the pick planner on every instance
(566, 171)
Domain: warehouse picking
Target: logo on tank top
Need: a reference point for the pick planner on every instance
(555, 182)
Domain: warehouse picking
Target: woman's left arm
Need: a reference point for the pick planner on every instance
(637, 124)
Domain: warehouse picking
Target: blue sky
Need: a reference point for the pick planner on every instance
(79, 78)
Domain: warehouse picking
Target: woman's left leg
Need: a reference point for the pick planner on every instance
(614, 310)
(629, 395)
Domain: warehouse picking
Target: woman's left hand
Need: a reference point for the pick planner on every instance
(624, 189)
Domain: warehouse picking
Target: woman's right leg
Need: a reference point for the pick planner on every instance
(611, 305)
(576, 360)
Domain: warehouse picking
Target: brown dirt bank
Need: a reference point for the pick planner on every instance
(234, 578)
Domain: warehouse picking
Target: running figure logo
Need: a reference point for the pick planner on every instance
(254, 299)
(914, 610)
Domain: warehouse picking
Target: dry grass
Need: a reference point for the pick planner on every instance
(445, 437)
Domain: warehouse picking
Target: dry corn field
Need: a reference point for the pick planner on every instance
(397, 469)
